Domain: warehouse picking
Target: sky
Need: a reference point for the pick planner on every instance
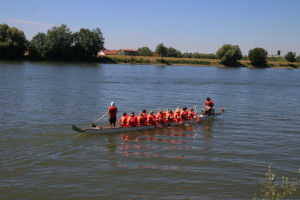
(187, 25)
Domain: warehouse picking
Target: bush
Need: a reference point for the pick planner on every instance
(270, 190)
(290, 57)
(258, 57)
(229, 54)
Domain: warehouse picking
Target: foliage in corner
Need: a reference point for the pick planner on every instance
(271, 190)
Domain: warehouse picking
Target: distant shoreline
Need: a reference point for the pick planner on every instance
(149, 60)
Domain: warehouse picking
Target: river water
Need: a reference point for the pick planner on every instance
(223, 158)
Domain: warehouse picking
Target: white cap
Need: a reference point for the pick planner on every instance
(112, 104)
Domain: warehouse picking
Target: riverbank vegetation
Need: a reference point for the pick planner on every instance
(60, 44)
(271, 190)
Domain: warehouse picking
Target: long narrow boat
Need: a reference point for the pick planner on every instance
(119, 129)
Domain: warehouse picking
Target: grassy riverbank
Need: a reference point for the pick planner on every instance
(119, 59)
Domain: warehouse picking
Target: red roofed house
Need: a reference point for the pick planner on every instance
(129, 52)
(108, 52)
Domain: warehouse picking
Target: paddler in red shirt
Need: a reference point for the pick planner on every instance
(184, 114)
(159, 117)
(132, 120)
(141, 119)
(151, 118)
(177, 115)
(123, 120)
(112, 110)
(145, 117)
(191, 113)
(208, 105)
(169, 116)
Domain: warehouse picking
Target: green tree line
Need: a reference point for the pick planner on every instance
(60, 43)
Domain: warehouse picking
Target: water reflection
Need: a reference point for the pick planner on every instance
(167, 143)
(112, 144)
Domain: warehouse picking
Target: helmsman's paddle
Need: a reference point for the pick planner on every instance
(93, 125)
(75, 128)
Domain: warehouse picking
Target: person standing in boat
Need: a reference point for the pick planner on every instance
(112, 110)
(208, 105)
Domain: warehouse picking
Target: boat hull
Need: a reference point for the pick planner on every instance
(104, 130)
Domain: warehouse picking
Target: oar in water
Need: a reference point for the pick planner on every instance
(75, 128)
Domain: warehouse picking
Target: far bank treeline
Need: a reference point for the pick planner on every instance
(59, 43)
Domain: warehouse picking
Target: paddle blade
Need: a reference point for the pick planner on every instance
(77, 129)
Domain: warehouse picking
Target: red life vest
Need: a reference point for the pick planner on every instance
(159, 118)
(132, 121)
(192, 114)
(169, 117)
(123, 121)
(177, 117)
(140, 120)
(184, 115)
(151, 119)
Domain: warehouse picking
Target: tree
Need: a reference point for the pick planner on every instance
(145, 51)
(58, 43)
(161, 50)
(87, 43)
(37, 45)
(229, 54)
(298, 58)
(258, 57)
(172, 52)
(290, 57)
(187, 55)
(12, 42)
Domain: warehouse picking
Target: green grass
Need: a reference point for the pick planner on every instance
(245, 62)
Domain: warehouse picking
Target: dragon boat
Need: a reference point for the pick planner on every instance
(120, 129)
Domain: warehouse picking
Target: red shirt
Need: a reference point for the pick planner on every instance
(112, 112)
(169, 117)
(132, 121)
(184, 114)
(192, 114)
(151, 119)
(140, 120)
(209, 103)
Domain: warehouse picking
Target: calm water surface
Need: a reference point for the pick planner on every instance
(224, 158)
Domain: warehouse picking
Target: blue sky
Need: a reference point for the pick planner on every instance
(187, 25)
